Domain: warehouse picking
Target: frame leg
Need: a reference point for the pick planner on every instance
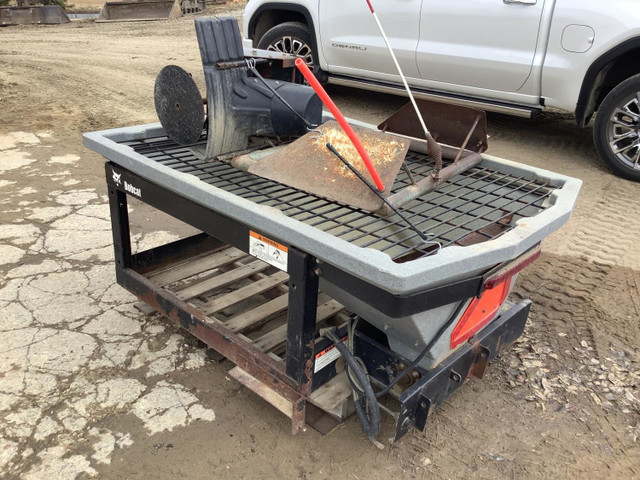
(301, 326)
(120, 228)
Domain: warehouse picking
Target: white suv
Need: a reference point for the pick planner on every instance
(510, 56)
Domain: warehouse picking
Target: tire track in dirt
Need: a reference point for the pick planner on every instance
(571, 283)
(561, 290)
(567, 322)
(568, 314)
(609, 234)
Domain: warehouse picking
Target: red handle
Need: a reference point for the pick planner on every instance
(370, 6)
(341, 120)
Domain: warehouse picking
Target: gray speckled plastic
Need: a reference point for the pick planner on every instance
(375, 267)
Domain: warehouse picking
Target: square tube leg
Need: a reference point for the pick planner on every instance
(301, 324)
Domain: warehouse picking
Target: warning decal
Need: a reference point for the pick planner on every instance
(268, 250)
(326, 356)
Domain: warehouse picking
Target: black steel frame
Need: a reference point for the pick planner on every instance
(293, 379)
(433, 387)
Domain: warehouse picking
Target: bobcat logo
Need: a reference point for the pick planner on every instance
(117, 178)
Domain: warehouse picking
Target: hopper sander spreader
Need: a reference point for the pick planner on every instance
(340, 267)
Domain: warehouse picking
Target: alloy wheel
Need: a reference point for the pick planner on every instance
(293, 46)
(623, 132)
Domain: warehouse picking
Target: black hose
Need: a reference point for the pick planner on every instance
(367, 400)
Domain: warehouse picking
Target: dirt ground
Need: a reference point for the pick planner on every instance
(90, 387)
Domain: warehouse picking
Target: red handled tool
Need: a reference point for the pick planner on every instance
(324, 96)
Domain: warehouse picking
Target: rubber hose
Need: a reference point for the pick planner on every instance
(371, 425)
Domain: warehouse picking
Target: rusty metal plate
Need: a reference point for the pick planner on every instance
(448, 124)
(307, 164)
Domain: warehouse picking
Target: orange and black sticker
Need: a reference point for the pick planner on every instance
(326, 356)
(268, 250)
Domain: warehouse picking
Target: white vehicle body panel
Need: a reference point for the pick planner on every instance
(613, 23)
(531, 53)
(482, 43)
(358, 44)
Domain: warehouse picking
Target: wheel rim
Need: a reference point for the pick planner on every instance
(294, 46)
(624, 132)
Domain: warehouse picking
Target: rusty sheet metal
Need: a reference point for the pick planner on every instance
(124, 11)
(307, 164)
(448, 124)
(490, 231)
(33, 14)
(481, 361)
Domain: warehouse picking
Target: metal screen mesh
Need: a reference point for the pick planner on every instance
(475, 206)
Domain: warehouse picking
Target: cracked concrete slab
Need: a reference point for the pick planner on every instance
(168, 406)
(18, 234)
(10, 254)
(74, 352)
(15, 159)
(68, 159)
(13, 139)
(47, 214)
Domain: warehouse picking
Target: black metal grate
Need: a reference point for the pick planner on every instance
(477, 205)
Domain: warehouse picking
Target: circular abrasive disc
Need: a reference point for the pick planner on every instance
(179, 105)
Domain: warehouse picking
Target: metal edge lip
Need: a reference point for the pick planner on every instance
(421, 94)
(370, 265)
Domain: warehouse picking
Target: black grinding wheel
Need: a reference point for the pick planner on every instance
(179, 105)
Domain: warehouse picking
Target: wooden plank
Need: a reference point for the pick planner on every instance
(278, 335)
(334, 397)
(256, 288)
(272, 339)
(262, 390)
(274, 356)
(328, 309)
(258, 315)
(190, 269)
(221, 280)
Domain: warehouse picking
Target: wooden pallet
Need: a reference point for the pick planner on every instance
(249, 297)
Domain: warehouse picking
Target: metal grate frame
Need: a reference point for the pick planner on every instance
(477, 205)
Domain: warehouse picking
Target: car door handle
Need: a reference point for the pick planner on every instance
(524, 2)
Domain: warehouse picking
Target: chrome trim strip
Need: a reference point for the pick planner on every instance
(491, 107)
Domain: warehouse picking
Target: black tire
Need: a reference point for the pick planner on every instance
(616, 131)
(290, 37)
